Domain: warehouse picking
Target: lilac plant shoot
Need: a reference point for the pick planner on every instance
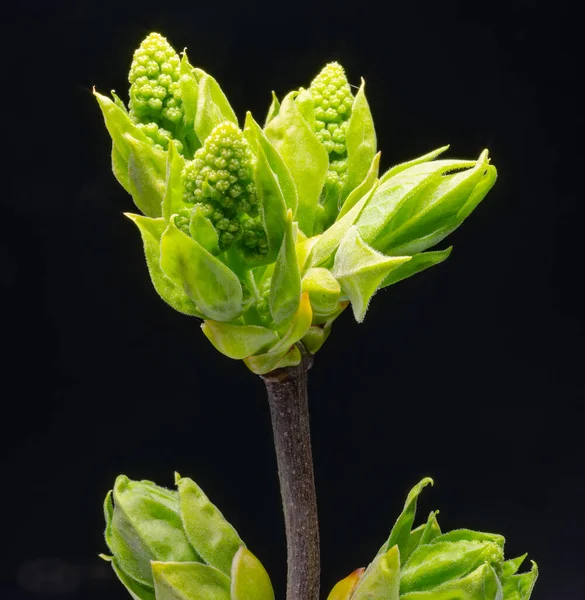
(265, 233)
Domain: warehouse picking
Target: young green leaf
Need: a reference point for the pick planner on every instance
(434, 564)
(276, 359)
(271, 203)
(285, 285)
(120, 168)
(119, 125)
(145, 525)
(511, 566)
(253, 131)
(360, 270)
(362, 189)
(416, 264)
(212, 536)
(213, 108)
(411, 163)
(250, 581)
(480, 584)
(519, 587)
(457, 535)
(138, 591)
(146, 177)
(304, 155)
(173, 197)
(239, 341)
(407, 185)
(206, 280)
(400, 533)
(423, 220)
(202, 230)
(189, 90)
(316, 336)
(323, 251)
(151, 231)
(189, 581)
(360, 141)
(381, 581)
(273, 109)
(323, 289)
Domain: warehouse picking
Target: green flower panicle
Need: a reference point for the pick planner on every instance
(333, 101)
(155, 92)
(220, 181)
(267, 234)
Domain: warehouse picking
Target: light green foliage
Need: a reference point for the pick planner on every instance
(176, 545)
(420, 563)
(269, 233)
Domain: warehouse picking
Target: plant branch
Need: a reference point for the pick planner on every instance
(287, 396)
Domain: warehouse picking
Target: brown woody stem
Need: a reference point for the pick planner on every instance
(287, 396)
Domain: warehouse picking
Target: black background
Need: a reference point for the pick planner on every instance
(470, 372)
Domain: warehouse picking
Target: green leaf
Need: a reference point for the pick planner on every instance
(285, 285)
(145, 525)
(146, 177)
(400, 533)
(378, 214)
(273, 109)
(173, 197)
(212, 536)
(264, 363)
(323, 251)
(189, 581)
(411, 163)
(202, 230)
(511, 566)
(519, 587)
(189, 90)
(287, 185)
(416, 264)
(360, 270)
(299, 326)
(119, 125)
(238, 341)
(304, 155)
(250, 581)
(481, 584)
(138, 591)
(206, 280)
(431, 530)
(424, 534)
(213, 107)
(271, 203)
(316, 336)
(360, 141)
(362, 189)
(381, 581)
(434, 564)
(323, 289)
(151, 231)
(120, 168)
(471, 536)
(423, 221)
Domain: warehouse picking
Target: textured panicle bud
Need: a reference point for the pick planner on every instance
(155, 94)
(333, 100)
(220, 181)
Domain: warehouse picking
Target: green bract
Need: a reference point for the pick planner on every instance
(421, 563)
(269, 233)
(176, 545)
